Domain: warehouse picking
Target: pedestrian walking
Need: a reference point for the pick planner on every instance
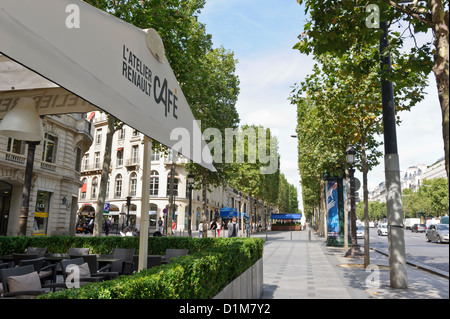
(107, 226)
(233, 228)
(219, 227)
(213, 227)
(200, 229)
(160, 225)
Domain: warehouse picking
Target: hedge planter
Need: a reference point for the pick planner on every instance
(212, 263)
(285, 228)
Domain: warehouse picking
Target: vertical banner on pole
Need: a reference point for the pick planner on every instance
(335, 212)
(332, 209)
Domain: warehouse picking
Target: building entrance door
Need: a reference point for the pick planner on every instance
(5, 201)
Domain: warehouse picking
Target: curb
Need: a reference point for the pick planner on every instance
(418, 265)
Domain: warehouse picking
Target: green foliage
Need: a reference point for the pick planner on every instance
(377, 211)
(340, 28)
(247, 168)
(211, 264)
(431, 198)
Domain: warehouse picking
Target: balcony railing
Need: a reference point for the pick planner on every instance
(132, 162)
(21, 160)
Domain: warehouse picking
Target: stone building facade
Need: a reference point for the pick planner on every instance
(56, 177)
(125, 180)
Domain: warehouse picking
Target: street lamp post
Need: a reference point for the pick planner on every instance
(23, 123)
(265, 217)
(350, 157)
(396, 238)
(190, 180)
(128, 209)
(238, 199)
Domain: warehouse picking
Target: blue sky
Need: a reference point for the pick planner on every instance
(261, 33)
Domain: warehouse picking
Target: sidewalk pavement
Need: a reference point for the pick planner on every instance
(297, 268)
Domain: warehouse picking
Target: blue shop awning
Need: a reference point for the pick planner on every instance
(286, 216)
(228, 212)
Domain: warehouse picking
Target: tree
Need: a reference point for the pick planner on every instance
(293, 200)
(337, 26)
(434, 194)
(185, 41)
(247, 172)
(346, 92)
(104, 175)
(212, 97)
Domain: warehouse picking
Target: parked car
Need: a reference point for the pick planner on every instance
(382, 230)
(371, 224)
(437, 232)
(359, 231)
(419, 228)
(409, 222)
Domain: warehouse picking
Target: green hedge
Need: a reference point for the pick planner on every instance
(212, 263)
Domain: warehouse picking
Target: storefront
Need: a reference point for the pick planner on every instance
(41, 212)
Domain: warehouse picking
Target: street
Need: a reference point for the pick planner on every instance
(417, 249)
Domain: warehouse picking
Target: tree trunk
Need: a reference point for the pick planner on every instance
(204, 208)
(366, 206)
(440, 20)
(323, 211)
(171, 206)
(242, 216)
(104, 177)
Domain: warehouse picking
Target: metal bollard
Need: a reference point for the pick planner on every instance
(309, 235)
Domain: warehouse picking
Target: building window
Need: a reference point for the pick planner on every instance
(98, 137)
(107, 189)
(16, 146)
(49, 148)
(83, 188)
(170, 156)
(175, 185)
(86, 162)
(135, 154)
(97, 160)
(118, 187)
(119, 161)
(78, 160)
(155, 156)
(133, 184)
(122, 133)
(154, 183)
(94, 187)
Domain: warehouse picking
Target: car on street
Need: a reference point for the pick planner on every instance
(437, 232)
(419, 228)
(360, 231)
(382, 230)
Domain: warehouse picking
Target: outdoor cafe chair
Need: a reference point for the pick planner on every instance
(78, 251)
(39, 251)
(124, 263)
(152, 261)
(85, 273)
(17, 258)
(45, 272)
(22, 282)
(92, 262)
(4, 265)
